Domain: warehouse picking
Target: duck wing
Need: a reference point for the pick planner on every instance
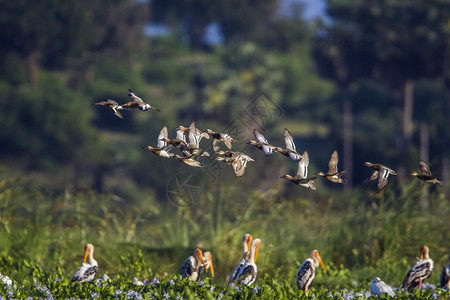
(302, 171)
(383, 175)
(134, 97)
(289, 140)
(163, 134)
(259, 137)
(424, 168)
(332, 164)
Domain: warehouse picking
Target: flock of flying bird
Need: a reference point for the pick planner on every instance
(188, 142)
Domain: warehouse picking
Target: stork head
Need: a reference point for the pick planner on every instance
(316, 256)
(198, 254)
(424, 252)
(210, 265)
(88, 249)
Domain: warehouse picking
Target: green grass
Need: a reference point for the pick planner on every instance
(359, 235)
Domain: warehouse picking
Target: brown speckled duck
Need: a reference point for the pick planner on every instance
(218, 137)
(425, 174)
(191, 160)
(302, 174)
(193, 133)
(381, 172)
(162, 149)
(138, 102)
(112, 106)
(333, 175)
(290, 150)
(237, 160)
(261, 143)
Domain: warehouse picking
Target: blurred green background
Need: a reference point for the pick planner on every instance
(368, 78)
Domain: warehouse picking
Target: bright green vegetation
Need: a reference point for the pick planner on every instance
(359, 237)
(172, 287)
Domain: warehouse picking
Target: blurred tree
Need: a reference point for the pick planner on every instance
(392, 42)
(47, 30)
(244, 20)
(46, 127)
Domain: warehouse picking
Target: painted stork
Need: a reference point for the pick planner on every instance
(425, 174)
(307, 270)
(89, 269)
(112, 106)
(445, 277)
(420, 271)
(163, 148)
(138, 102)
(378, 287)
(290, 150)
(302, 178)
(261, 143)
(248, 271)
(246, 242)
(333, 175)
(192, 266)
(381, 172)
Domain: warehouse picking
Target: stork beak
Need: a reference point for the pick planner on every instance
(249, 242)
(86, 253)
(320, 261)
(322, 264)
(256, 251)
(211, 266)
(199, 256)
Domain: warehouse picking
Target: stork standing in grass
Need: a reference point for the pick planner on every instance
(420, 271)
(307, 270)
(246, 242)
(207, 257)
(445, 277)
(378, 287)
(248, 271)
(89, 268)
(192, 266)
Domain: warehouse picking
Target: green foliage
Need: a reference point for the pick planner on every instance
(44, 123)
(359, 237)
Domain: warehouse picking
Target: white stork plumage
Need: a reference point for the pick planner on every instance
(246, 242)
(191, 267)
(420, 271)
(89, 269)
(307, 270)
(445, 278)
(378, 287)
(248, 271)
